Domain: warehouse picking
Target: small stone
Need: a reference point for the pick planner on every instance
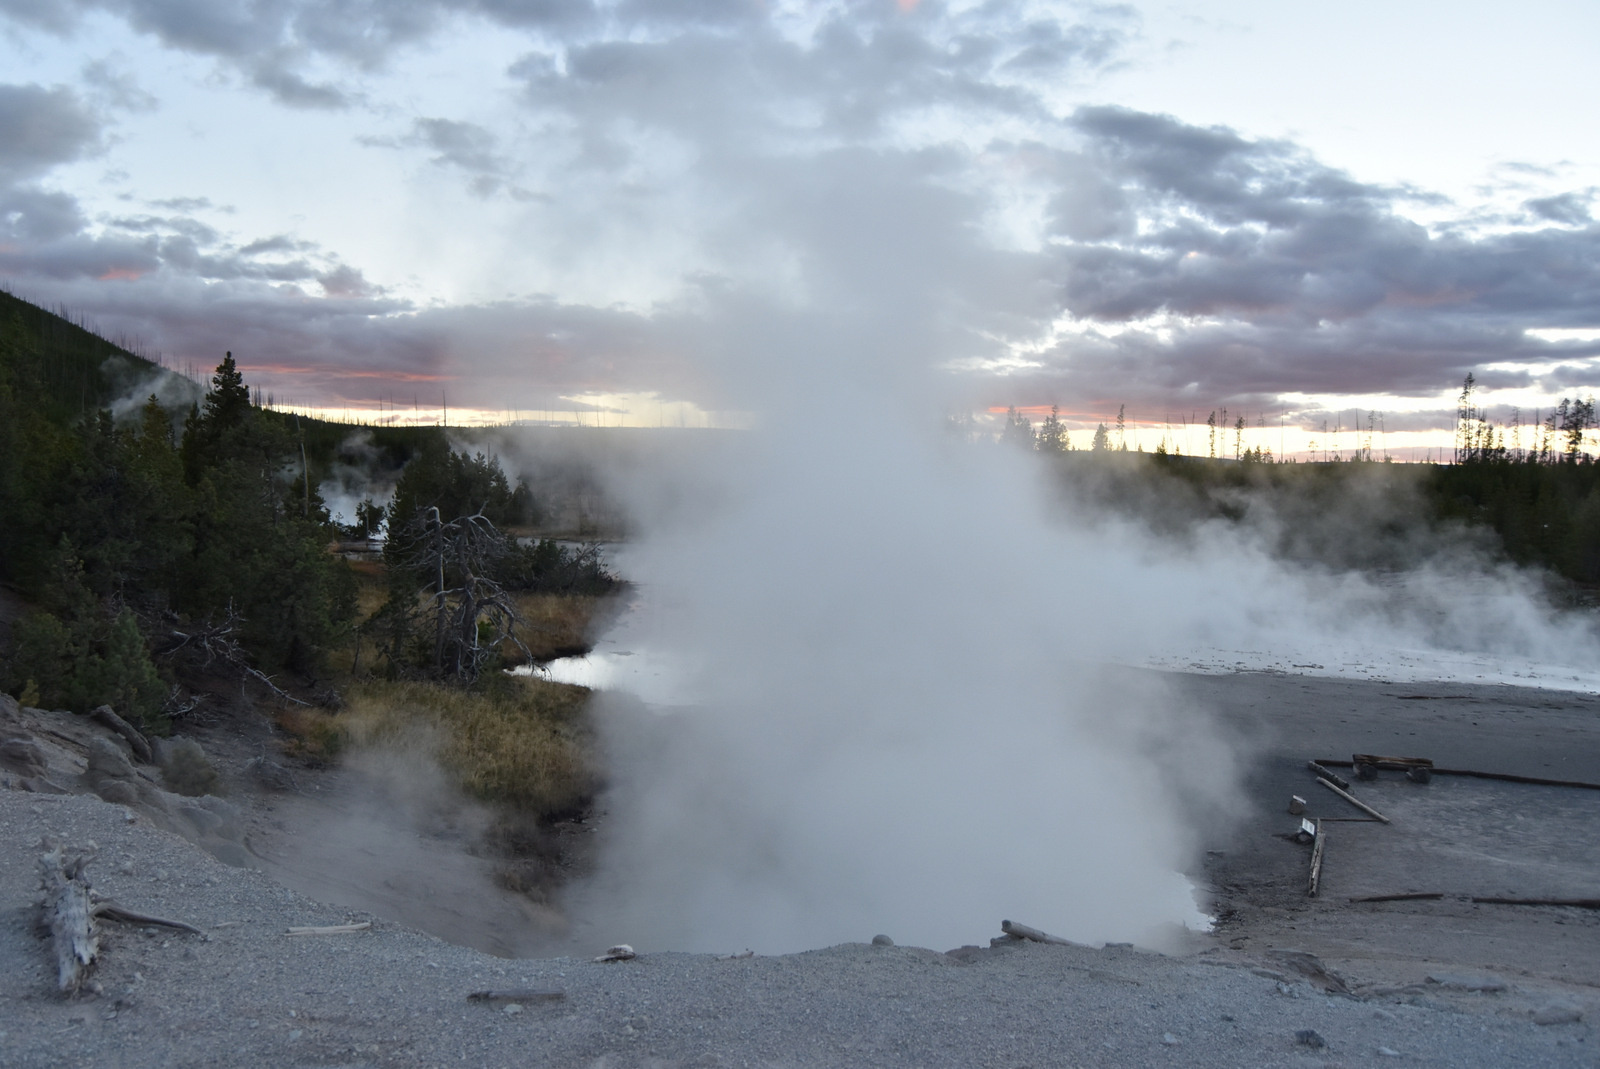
(1388, 1052)
(295, 1034)
(513, 1008)
(882, 941)
(1557, 1013)
(1168, 1039)
(1310, 1037)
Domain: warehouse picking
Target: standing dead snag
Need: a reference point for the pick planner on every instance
(69, 914)
(471, 614)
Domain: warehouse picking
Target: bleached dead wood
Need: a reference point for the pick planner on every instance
(104, 714)
(331, 929)
(1022, 931)
(1353, 800)
(69, 914)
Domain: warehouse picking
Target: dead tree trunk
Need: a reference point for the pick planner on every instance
(69, 915)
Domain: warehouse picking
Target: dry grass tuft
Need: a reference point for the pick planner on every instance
(557, 625)
(313, 735)
(525, 744)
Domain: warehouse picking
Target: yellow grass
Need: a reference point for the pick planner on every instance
(527, 744)
(557, 625)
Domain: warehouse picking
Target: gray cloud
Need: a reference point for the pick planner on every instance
(1569, 208)
(41, 128)
(786, 161)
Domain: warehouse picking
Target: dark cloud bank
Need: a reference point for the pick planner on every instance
(1270, 271)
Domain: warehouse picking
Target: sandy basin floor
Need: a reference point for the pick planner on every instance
(1444, 983)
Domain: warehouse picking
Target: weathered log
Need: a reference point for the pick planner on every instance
(111, 911)
(1022, 931)
(108, 716)
(1409, 896)
(518, 995)
(69, 915)
(1316, 862)
(331, 929)
(1353, 800)
(620, 952)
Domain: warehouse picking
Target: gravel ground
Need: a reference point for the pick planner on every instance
(1285, 980)
(250, 994)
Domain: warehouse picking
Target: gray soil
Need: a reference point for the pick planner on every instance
(1284, 981)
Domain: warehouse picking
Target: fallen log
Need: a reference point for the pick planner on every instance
(1411, 896)
(69, 915)
(1353, 800)
(1316, 862)
(1034, 935)
(330, 929)
(104, 714)
(1576, 903)
(517, 995)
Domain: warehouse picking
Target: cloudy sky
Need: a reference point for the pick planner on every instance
(1299, 212)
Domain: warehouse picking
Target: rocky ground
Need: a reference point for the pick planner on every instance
(1285, 980)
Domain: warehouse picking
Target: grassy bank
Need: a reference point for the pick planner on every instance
(524, 744)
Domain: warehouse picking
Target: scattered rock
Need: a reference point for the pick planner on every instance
(1557, 1013)
(882, 941)
(1168, 1039)
(1486, 983)
(513, 1008)
(1310, 1037)
(620, 952)
(1388, 1052)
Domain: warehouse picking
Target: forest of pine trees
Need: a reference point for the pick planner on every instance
(174, 548)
